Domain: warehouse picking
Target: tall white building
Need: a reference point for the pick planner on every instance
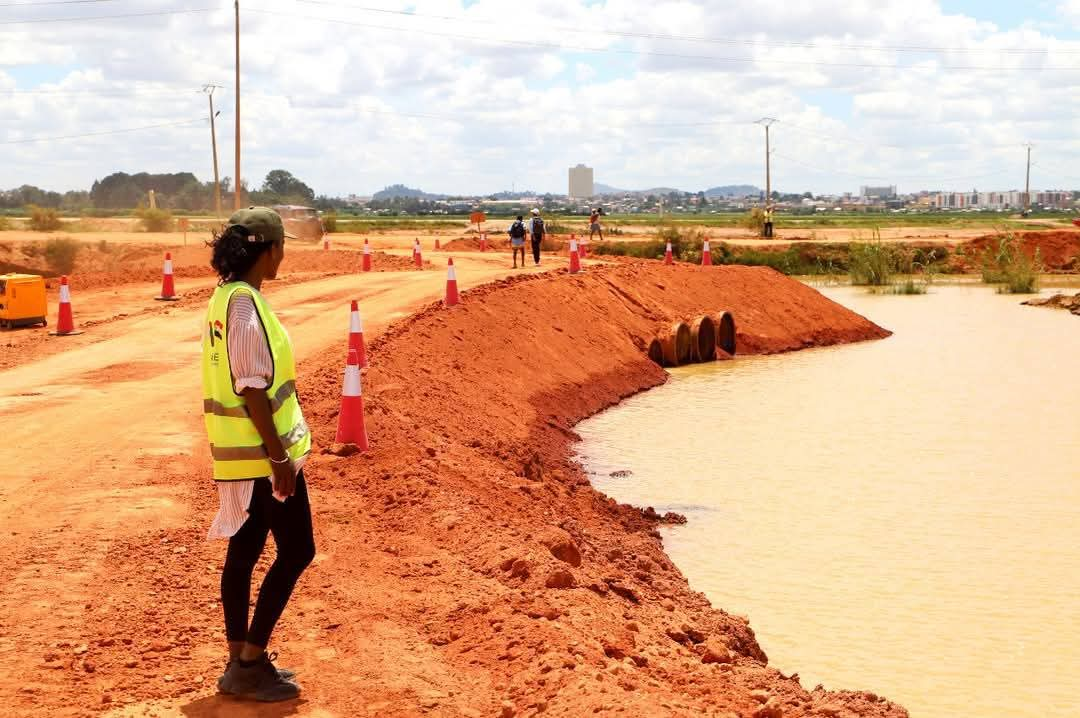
(581, 182)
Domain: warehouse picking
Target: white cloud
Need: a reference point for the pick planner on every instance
(351, 100)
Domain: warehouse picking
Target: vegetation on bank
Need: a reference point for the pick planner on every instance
(1009, 267)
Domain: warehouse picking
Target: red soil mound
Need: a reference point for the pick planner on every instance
(534, 591)
(1058, 249)
(495, 240)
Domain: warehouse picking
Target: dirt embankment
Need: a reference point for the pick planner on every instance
(466, 565)
(1058, 250)
(554, 597)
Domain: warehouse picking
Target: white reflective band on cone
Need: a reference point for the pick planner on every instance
(705, 246)
(355, 327)
(352, 381)
(668, 246)
(451, 274)
(168, 266)
(367, 248)
(573, 245)
(65, 294)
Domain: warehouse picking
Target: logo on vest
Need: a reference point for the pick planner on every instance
(214, 330)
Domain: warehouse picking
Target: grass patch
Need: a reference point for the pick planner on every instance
(1009, 267)
(907, 287)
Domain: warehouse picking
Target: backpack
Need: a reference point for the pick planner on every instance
(517, 229)
(537, 227)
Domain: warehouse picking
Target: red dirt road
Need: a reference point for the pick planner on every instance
(451, 579)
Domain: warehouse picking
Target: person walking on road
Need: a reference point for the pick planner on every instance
(594, 225)
(517, 234)
(536, 232)
(259, 442)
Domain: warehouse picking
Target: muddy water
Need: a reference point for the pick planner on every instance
(900, 516)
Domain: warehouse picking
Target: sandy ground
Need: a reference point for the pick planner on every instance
(465, 565)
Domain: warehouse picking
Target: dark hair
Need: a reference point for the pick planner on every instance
(233, 254)
(520, 217)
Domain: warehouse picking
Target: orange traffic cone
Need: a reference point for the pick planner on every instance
(168, 289)
(356, 335)
(483, 241)
(706, 255)
(438, 245)
(451, 284)
(350, 429)
(575, 260)
(418, 260)
(65, 323)
(668, 259)
(367, 257)
(326, 242)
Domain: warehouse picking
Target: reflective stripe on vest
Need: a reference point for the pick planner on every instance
(235, 444)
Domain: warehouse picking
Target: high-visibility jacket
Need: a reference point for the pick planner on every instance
(235, 444)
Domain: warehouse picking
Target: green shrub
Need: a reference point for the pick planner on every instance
(329, 222)
(5, 224)
(60, 254)
(872, 263)
(44, 219)
(1011, 268)
(154, 219)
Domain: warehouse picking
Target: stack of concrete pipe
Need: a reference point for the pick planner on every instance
(695, 342)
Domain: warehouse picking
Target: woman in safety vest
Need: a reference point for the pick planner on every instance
(259, 442)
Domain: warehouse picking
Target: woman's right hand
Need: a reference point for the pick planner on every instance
(284, 478)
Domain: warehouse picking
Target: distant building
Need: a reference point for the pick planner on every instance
(581, 182)
(888, 192)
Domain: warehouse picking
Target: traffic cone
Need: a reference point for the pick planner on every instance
(668, 259)
(451, 284)
(65, 323)
(367, 257)
(575, 260)
(168, 289)
(437, 245)
(583, 246)
(356, 335)
(706, 255)
(326, 242)
(350, 429)
(418, 260)
(483, 241)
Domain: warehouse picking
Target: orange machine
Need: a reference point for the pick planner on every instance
(22, 300)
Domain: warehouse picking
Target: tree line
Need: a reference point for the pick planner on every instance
(175, 191)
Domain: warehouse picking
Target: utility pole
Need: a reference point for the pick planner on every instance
(1027, 181)
(767, 122)
(236, 177)
(209, 90)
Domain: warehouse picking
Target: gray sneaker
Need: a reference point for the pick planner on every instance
(283, 672)
(260, 682)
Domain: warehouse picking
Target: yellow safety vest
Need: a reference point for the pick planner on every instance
(235, 444)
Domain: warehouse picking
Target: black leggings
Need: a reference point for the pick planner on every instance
(536, 250)
(290, 522)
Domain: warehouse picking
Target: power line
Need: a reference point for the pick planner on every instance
(622, 51)
(104, 132)
(102, 92)
(701, 39)
(85, 18)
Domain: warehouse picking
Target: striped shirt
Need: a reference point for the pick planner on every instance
(252, 367)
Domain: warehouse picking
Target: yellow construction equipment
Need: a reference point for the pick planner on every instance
(22, 300)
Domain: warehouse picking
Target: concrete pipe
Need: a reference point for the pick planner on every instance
(676, 344)
(656, 351)
(725, 332)
(702, 339)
